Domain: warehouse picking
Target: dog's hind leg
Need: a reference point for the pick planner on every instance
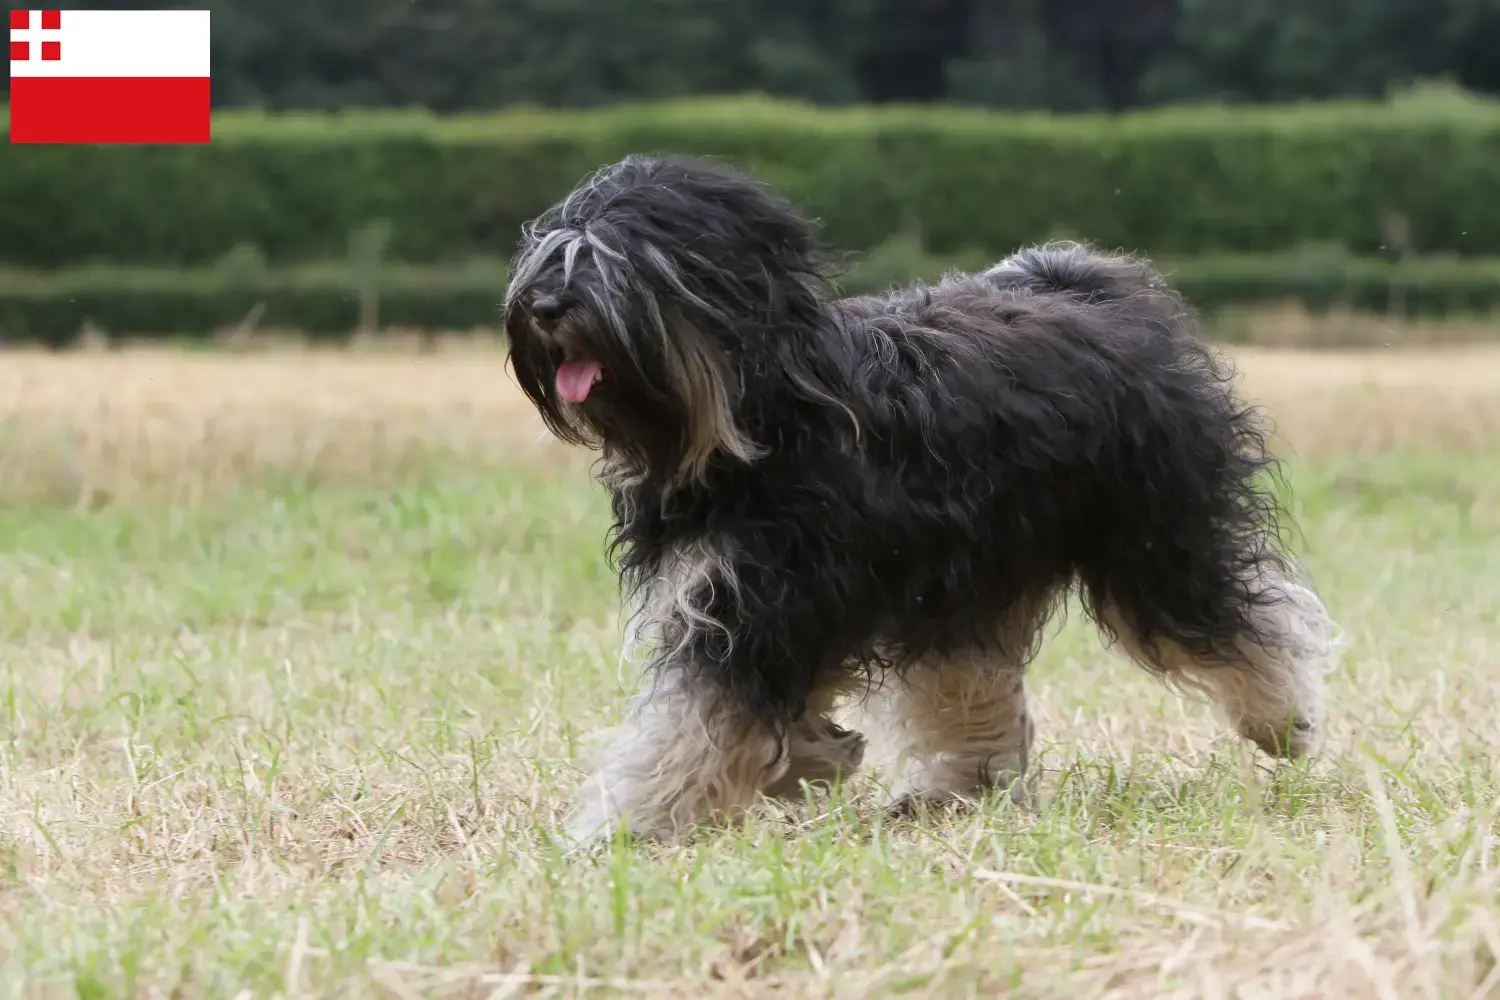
(1270, 681)
(950, 729)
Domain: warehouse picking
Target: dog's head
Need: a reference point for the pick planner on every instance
(643, 307)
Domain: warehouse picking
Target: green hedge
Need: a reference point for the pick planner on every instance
(1181, 182)
(319, 300)
(324, 300)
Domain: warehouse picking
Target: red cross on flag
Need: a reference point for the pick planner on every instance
(109, 76)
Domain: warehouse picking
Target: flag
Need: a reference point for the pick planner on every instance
(109, 76)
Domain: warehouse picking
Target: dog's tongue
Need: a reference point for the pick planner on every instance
(576, 378)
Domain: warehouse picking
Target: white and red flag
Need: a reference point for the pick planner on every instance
(109, 76)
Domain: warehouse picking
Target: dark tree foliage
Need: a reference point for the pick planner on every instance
(1278, 50)
(450, 55)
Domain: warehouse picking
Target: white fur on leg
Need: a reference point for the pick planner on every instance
(952, 729)
(684, 754)
(1276, 699)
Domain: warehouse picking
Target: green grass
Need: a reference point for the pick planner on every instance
(316, 741)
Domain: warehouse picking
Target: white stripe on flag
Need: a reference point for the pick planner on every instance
(116, 43)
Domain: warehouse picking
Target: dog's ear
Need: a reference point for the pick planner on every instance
(710, 395)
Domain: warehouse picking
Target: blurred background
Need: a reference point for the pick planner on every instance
(1297, 164)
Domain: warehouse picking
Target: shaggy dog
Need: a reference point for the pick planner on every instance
(887, 497)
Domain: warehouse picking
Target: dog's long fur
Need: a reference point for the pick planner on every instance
(889, 496)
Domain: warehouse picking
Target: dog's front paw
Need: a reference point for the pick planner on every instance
(955, 779)
(588, 831)
(905, 802)
(599, 819)
(1296, 738)
(820, 757)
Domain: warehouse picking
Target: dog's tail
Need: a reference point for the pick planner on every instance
(1077, 269)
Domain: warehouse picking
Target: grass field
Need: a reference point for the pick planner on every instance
(296, 650)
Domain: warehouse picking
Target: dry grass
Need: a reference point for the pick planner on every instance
(119, 425)
(166, 424)
(1291, 325)
(260, 737)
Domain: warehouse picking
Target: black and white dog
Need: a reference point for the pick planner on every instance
(886, 498)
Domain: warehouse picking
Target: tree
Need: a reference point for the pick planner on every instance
(451, 55)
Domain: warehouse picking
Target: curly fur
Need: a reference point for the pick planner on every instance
(811, 492)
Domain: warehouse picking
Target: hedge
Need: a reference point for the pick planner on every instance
(1178, 182)
(324, 300)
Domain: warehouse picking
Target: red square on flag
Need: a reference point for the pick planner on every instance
(109, 76)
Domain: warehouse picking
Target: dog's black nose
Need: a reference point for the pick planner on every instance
(548, 309)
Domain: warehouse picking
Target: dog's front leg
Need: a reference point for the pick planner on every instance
(743, 677)
(687, 752)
